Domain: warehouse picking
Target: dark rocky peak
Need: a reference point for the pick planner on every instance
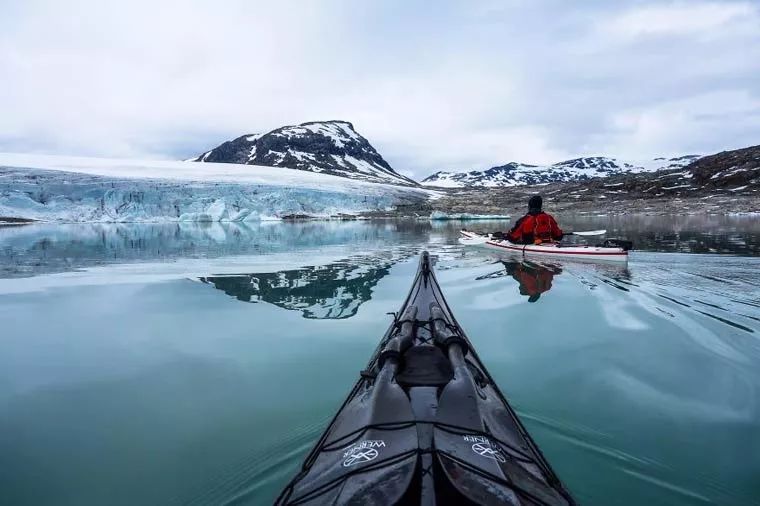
(728, 168)
(330, 147)
(599, 163)
(508, 168)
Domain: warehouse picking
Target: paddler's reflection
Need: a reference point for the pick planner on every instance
(534, 279)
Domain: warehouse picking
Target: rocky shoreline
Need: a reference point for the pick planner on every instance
(560, 199)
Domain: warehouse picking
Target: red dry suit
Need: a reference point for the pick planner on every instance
(535, 228)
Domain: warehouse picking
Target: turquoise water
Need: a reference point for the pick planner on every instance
(197, 365)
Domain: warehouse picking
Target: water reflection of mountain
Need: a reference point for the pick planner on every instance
(331, 291)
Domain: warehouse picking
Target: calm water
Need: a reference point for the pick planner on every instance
(197, 365)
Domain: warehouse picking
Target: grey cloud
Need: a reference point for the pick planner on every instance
(461, 85)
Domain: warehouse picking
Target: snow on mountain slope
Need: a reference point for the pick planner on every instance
(51, 188)
(662, 163)
(578, 169)
(329, 147)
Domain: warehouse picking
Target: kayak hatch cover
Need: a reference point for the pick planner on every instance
(425, 424)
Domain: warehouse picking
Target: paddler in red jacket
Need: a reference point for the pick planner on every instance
(536, 227)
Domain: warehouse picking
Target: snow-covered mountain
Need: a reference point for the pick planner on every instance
(578, 169)
(329, 147)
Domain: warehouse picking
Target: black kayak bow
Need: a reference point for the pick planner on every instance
(425, 424)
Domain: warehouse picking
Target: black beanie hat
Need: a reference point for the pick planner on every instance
(535, 203)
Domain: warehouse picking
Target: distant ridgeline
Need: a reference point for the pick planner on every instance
(329, 147)
(726, 182)
(579, 169)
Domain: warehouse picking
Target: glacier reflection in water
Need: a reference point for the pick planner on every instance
(44, 248)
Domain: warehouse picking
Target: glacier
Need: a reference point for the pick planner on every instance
(77, 189)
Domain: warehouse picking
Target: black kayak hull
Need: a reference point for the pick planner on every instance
(425, 424)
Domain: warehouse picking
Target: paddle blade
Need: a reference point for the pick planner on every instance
(471, 238)
(588, 232)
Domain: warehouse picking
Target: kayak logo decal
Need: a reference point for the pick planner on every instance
(364, 451)
(485, 448)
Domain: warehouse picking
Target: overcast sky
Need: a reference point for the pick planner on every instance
(432, 85)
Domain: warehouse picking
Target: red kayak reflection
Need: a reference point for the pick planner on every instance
(534, 279)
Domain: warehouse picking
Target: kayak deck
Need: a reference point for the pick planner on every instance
(425, 424)
(552, 250)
